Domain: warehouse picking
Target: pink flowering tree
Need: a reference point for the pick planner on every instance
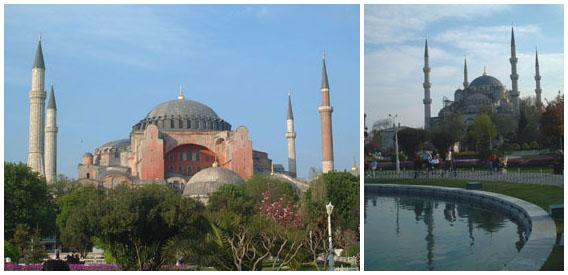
(283, 236)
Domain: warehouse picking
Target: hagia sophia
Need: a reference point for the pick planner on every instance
(182, 143)
(483, 93)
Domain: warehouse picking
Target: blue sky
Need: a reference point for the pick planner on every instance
(394, 49)
(111, 64)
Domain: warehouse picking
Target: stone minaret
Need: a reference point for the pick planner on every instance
(37, 114)
(51, 139)
(325, 111)
(537, 77)
(514, 75)
(465, 82)
(291, 137)
(427, 100)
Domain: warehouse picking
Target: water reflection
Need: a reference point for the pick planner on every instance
(454, 235)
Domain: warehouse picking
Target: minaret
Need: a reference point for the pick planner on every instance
(37, 114)
(465, 82)
(514, 75)
(325, 111)
(537, 78)
(51, 139)
(291, 137)
(427, 100)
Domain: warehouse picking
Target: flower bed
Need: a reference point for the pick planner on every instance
(73, 267)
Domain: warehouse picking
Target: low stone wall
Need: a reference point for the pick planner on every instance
(540, 228)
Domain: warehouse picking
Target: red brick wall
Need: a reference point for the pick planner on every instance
(152, 150)
(242, 154)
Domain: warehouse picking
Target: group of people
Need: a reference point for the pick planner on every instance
(432, 162)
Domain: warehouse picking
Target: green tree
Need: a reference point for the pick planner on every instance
(27, 201)
(483, 132)
(28, 244)
(236, 229)
(137, 225)
(11, 251)
(76, 227)
(63, 185)
(552, 123)
(343, 192)
(411, 140)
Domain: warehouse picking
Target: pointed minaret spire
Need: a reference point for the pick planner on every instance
(181, 96)
(51, 101)
(290, 113)
(514, 75)
(465, 82)
(537, 78)
(324, 82)
(51, 138)
(291, 137)
(325, 111)
(427, 100)
(38, 61)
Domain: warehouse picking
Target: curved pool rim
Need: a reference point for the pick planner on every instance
(541, 229)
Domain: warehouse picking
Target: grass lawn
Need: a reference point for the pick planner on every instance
(541, 195)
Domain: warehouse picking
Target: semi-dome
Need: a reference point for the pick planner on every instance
(210, 180)
(485, 81)
(121, 143)
(181, 114)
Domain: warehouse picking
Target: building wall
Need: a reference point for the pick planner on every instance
(151, 155)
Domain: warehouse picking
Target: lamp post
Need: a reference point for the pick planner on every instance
(330, 257)
(395, 129)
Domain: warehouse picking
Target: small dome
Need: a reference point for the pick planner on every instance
(484, 81)
(210, 180)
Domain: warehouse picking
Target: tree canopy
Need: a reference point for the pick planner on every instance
(27, 201)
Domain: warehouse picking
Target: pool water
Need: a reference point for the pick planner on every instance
(416, 233)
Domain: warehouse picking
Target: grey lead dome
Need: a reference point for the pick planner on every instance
(181, 114)
(210, 180)
(178, 107)
(485, 80)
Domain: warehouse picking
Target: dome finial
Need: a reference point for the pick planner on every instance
(215, 163)
(181, 96)
(484, 70)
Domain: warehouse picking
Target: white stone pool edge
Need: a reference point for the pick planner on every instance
(541, 229)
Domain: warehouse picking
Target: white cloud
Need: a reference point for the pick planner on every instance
(401, 23)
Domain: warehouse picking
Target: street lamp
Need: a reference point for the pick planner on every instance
(395, 129)
(330, 258)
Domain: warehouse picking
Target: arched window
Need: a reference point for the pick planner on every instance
(88, 176)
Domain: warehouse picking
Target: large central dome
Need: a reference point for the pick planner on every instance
(183, 108)
(485, 81)
(181, 114)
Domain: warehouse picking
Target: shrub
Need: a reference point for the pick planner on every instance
(534, 145)
(466, 155)
(11, 251)
(55, 265)
(516, 146)
(525, 146)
